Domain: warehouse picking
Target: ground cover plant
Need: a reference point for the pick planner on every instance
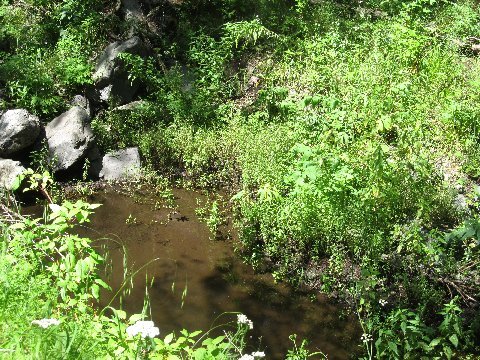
(346, 132)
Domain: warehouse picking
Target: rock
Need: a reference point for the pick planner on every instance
(69, 138)
(476, 49)
(374, 14)
(18, 130)
(188, 79)
(131, 106)
(253, 81)
(140, 15)
(108, 63)
(111, 78)
(9, 170)
(121, 165)
(121, 91)
(105, 93)
(175, 215)
(82, 101)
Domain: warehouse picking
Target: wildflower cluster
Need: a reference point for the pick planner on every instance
(144, 328)
(259, 354)
(46, 323)
(242, 319)
(366, 338)
(252, 356)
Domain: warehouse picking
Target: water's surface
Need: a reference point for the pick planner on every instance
(215, 280)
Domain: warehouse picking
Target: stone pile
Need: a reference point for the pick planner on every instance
(69, 137)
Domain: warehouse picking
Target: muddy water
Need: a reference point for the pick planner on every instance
(194, 279)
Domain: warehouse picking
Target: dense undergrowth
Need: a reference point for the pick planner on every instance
(347, 131)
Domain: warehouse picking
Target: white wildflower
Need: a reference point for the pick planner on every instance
(258, 354)
(242, 319)
(366, 338)
(45, 323)
(383, 302)
(247, 357)
(144, 328)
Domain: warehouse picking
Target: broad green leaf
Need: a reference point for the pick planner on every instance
(393, 347)
(135, 317)
(435, 342)
(218, 340)
(454, 340)
(168, 339)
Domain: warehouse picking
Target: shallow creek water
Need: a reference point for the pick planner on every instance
(214, 279)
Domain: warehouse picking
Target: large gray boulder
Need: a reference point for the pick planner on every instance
(9, 170)
(18, 130)
(121, 165)
(69, 138)
(111, 77)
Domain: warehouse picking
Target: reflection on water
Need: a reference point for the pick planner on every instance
(208, 280)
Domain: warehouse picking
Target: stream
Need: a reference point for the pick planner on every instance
(195, 280)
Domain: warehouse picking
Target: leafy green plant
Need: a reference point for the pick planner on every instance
(405, 336)
(212, 215)
(300, 352)
(246, 33)
(49, 51)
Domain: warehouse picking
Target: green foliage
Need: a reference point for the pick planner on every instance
(347, 130)
(212, 215)
(41, 261)
(123, 128)
(32, 88)
(246, 33)
(405, 336)
(186, 345)
(339, 155)
(301, 352)
(47, 50)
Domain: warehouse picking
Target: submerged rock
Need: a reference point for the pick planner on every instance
(9, 170)
(121, 165)
(18, 130)
(111, 77)
(69, 138)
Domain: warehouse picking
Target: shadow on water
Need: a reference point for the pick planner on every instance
(195, 280)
